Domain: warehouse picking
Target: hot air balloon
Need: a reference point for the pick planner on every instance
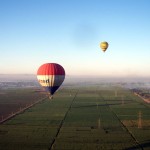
(51, 76)
(104, 46)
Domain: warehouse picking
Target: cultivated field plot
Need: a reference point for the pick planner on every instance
(13, 100)
(86, 118)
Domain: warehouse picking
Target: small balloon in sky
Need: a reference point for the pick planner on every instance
(104, 46)
(51, 76)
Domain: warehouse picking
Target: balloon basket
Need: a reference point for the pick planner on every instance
(50, 97)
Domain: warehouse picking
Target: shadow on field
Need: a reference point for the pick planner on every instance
(100, 105)
(142, 146)
(119, 100)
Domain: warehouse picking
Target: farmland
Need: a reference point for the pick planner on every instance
(13, 100)
(90, 117)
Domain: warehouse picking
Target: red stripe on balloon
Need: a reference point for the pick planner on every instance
(51, 69)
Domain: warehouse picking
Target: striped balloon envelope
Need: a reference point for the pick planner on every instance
(51, 76)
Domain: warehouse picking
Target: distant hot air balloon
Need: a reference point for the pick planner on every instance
(104, 46)
(51, 76)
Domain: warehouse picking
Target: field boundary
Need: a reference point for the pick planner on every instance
(61, 124)
(144, 99)
(130, 133)
(127, 130)
(21, 110)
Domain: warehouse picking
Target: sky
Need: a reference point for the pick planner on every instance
(68, 32)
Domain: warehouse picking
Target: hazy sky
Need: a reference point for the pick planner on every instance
(68, 32)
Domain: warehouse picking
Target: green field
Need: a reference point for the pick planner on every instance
(81, 118)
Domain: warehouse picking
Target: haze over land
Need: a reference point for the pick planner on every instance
(30, 80)
(71, 78)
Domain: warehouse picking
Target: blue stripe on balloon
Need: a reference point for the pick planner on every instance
(51, 89)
